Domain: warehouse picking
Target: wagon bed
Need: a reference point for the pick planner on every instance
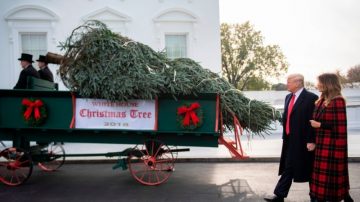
(150, 162)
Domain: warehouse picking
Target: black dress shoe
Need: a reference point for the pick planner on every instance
(313, 199)
(274, 199)
(348, 198)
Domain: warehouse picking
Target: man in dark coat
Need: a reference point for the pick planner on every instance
(298, 137)
(44, 71)
(28, 70)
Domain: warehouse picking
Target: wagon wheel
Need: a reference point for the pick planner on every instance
(55, 158)
(151, 163)
(15, 166)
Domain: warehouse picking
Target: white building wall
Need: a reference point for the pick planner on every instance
(146, 21)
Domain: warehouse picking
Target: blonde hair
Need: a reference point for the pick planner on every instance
(297, 77)
(332, 87)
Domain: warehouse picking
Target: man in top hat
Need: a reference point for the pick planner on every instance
(44, 71)
(28, 70)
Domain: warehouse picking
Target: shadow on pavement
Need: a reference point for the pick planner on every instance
(237, 190)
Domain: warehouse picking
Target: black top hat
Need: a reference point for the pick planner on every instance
(42, 58)
(26, 57)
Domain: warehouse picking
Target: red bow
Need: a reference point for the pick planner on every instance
(32, 106)
(189, 114)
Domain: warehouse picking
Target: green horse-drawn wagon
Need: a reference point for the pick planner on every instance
(48, 116)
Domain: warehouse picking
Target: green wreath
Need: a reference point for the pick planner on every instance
(33, 111)
(190, 116)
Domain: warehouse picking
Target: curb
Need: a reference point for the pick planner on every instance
(200, 160)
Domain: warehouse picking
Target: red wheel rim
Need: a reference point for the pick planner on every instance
(55, 158)
(151, 163)
(15, 166)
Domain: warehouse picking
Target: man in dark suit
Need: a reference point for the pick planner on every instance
(28, 70)
(298, 137)
(44, 71)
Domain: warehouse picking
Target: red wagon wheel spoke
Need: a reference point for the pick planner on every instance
(143, 172)
(142, 176)
(136, 148)
(146, 169)
(151, 167)
(23, 173)
(141, 151)
(175, 154)
(16, 177)
(157, 177)
(55, 158)
(157, 151)
(11, 178)
(16, 166)
(149, 177)
(146, 149)
(152, 147)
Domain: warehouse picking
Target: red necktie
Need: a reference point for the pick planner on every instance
(290, 107)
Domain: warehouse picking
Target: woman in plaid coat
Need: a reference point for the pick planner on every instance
(330, 177)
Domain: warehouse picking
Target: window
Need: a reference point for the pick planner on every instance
(175, 46)
(34, 44)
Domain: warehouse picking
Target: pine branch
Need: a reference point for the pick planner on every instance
(102, 64)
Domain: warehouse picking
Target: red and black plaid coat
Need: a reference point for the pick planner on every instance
(330, 178)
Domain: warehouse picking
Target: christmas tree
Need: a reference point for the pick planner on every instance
(101, 64)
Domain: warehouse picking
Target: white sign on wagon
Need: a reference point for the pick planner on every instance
(105, 114)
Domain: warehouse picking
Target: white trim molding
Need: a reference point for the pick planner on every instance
(31, 12)
(115, 20)
(107, 14)
(176, 15)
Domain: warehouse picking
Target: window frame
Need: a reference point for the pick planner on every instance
(21, 48)
(186, 35)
